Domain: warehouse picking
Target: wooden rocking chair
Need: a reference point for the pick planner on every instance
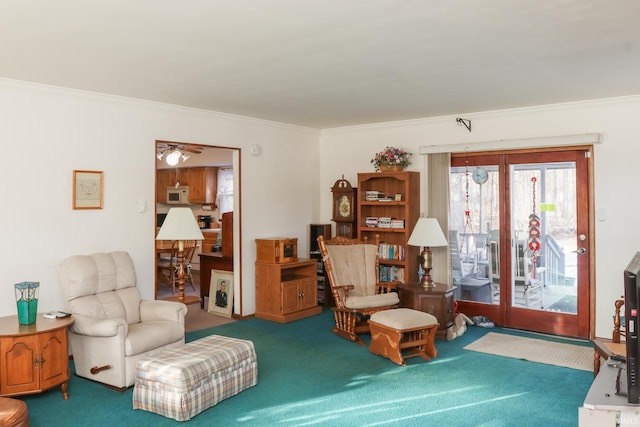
(352, 268)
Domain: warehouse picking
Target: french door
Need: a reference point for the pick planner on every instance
(519, 238)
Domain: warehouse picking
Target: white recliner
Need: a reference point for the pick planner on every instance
(113, 327)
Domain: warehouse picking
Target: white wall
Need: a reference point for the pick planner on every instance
(48, 132)
(616, 161)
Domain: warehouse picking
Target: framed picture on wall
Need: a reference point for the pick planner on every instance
(87, 189)
(221, 293)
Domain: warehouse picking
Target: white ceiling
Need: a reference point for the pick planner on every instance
(329, 63)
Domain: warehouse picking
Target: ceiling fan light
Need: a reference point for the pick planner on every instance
(159, 155)
(173, 158)
(185, 157)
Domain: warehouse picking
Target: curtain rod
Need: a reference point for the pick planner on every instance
(508, 144)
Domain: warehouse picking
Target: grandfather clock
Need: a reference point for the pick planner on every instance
(344, 208)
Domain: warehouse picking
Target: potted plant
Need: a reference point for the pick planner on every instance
(391, 159)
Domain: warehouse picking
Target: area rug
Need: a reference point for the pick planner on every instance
(566, 304)
(535, 350)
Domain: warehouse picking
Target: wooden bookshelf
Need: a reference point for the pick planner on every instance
(398, 199)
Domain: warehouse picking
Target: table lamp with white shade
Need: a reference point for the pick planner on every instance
(180, 224)
(427, 233)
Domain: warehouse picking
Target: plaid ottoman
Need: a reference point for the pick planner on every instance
(180, 383)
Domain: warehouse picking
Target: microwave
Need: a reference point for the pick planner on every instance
(178, 195)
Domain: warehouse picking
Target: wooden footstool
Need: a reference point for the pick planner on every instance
(13, 413)
(181, 382)
(402, 333)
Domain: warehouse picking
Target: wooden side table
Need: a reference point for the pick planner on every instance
(34, 358)
(288, 291)
(436, 300)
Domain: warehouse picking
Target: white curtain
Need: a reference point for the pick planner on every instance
(438, 168)
(224, 198)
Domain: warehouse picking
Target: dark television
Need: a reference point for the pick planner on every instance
(631, 303)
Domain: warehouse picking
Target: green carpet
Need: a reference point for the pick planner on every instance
(309, 376)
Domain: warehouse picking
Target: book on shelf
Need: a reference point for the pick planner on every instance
(384, 222)
(373, 196)
(391, 273)
(390, 251)
(371, 221)
(397, 223)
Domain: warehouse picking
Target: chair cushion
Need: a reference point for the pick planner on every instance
(371, 301)
(404, 318)
(355, 265)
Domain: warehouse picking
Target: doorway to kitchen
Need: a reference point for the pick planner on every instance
(194, 174)
(519, 238)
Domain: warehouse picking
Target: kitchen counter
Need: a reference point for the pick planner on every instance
(211, 230)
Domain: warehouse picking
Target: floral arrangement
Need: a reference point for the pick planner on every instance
(391, 156)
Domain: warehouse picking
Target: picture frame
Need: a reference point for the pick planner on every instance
(220, 279)
(88, 189)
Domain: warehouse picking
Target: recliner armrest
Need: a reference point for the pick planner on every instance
(162, 310)
(92, 326)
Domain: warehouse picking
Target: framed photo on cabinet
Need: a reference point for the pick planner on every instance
(88, 189)
(221, 293)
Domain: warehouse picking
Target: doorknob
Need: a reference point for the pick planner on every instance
(580, 251)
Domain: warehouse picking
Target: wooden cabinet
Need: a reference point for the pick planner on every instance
(164, 178)
(208, 262)
(298, 294)
(219, 260)
(33, 358)
(286, 292)
(389, 206)
(436, 300)
(202, 182)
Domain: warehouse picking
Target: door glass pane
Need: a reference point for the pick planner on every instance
(543, 258)
(473, 223)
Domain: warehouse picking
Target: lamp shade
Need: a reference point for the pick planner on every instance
(180, 224)
(427, 232)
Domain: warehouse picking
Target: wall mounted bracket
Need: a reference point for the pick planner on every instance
(465, 122)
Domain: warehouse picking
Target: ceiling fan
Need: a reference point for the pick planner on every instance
(173, 152)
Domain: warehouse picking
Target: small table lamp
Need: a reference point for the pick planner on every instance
(427, 233)
(180, 224)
